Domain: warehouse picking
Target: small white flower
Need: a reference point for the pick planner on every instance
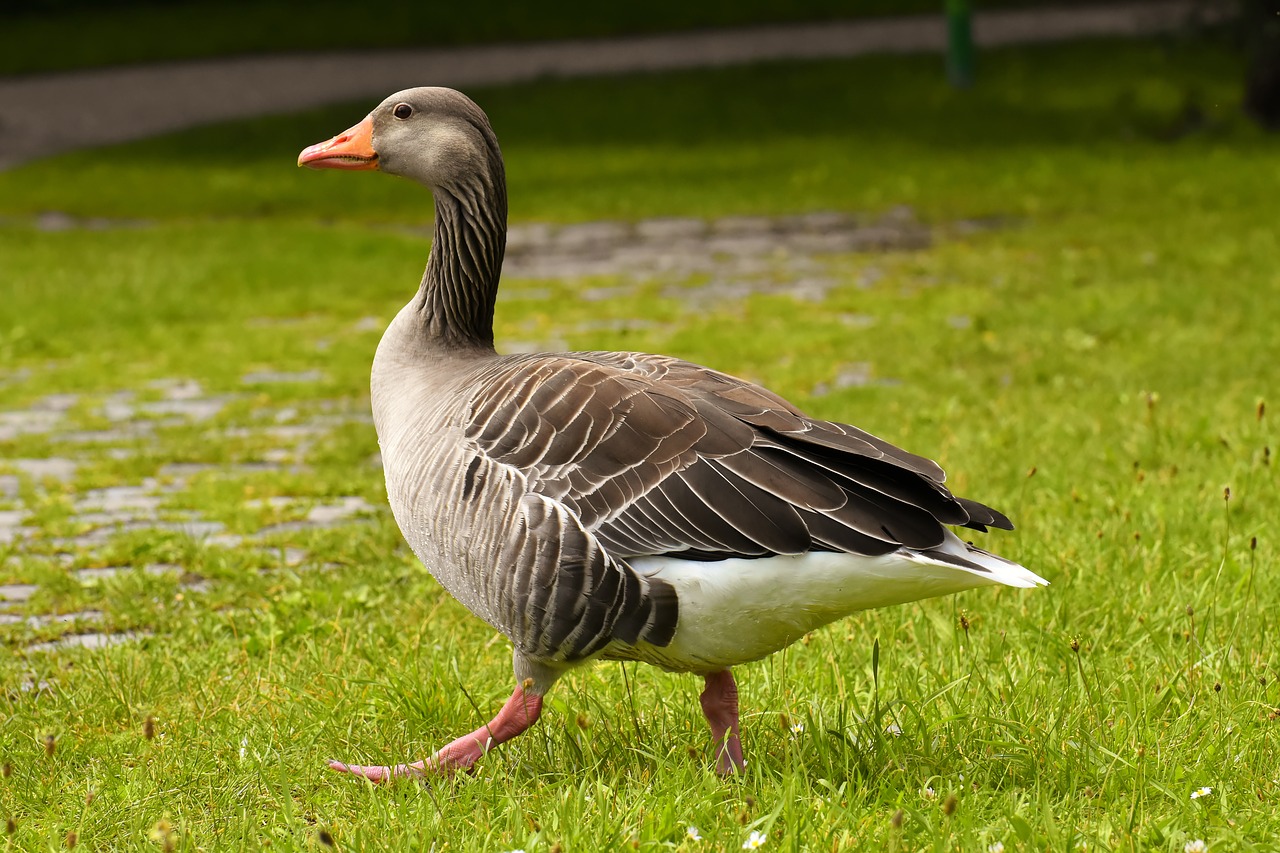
(929, 793)
(1201, 792)
(244, 743)
(995, 847)
(1196, 846)
(756, 841)
(693, 833)
(797, 728)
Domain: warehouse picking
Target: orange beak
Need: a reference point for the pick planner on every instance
(351, 149)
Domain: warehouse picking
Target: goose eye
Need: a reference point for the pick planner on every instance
(402, 111)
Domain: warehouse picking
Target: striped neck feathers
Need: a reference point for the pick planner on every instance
(460, 285)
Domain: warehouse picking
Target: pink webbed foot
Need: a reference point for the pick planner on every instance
(720, 706)
(521, 711)
(378, 774)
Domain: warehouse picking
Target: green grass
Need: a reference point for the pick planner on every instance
(1105, 390)
(54, 36)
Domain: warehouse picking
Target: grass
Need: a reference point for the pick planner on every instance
(50, 35)
(1104, 388)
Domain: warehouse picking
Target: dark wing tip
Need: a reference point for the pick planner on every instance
(982, 516)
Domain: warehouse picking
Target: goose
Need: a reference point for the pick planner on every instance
(619, 505)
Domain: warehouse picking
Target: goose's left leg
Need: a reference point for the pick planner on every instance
(720, 706)
(521, 711)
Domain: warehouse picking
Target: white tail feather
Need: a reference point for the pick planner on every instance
(733, 611)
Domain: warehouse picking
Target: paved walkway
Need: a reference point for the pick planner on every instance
(50, 114)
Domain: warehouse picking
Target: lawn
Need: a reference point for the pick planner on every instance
(1086, 344)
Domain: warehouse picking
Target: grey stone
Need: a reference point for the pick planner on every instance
(17, 591)
(120, 498)
(283, 432)
(818, 220)
(54, 221)
(198, 409)
(9, 534)
(749, 243)
(182, 470)
(345, 508)
(195, 529)
(526, 236)
(126, 432)
(20, 375)
(28, 422)
(854, 375)
(810, 289)
(666, 229)
(882, 237)
(281, 377)
(743, 225)
(85, 641)
(101, 573)
(603, 294)
(55, 619)
(117, 410)
(57, 402)
(590, 235)
(857, 321)
(99, 519)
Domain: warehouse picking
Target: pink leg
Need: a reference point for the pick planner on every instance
(720, 705)
(521, 711)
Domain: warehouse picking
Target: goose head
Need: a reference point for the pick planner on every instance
(440, 138)
(435, 136)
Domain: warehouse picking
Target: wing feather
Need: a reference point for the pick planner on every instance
(644, 455)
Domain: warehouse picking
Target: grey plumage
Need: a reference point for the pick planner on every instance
(567, 499)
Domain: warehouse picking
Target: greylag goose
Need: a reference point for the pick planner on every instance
(618, 505)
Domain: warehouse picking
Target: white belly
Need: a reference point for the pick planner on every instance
(734, 611)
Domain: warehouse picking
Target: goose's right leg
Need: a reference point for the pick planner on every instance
(720, 706)
(521, 711)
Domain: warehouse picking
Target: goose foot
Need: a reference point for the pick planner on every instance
(521, 711)
(720, 706)
(378, 774)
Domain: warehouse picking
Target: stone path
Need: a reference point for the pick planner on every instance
(98, 515)
(120, 104)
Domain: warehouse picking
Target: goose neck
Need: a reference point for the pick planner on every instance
(460, 285)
